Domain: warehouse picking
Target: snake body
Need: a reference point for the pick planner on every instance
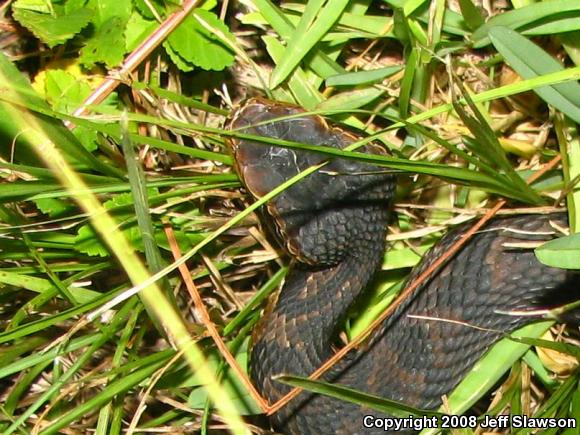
(333, 223)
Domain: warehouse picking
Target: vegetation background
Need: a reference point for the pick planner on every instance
(113, 162)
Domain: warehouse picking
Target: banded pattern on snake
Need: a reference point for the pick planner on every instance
(333, 223)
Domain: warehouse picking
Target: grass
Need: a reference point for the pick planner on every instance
(90, 342)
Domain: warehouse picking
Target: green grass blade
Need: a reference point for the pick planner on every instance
(563, 252)
(407, 82)
(530, 61)
(471, 14)
(495, 183)
(42, 357)
(302, 90)
(109, 332)
(363, 77)
(119, 386)
(569, 141)
(527, 15)
(319, 61)
(453, 23)
(350, 395)
(140, 197)
(351, 99)
(318, 18)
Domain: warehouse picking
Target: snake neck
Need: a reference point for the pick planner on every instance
(295, 335)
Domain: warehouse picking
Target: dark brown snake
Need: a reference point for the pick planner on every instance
(333, 223)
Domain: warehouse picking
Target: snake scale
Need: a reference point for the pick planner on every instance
(333, 224)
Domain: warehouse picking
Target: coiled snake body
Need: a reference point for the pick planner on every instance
(333, 222)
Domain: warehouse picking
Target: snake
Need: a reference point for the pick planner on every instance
(333, 224)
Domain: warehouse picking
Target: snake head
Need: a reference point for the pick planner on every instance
(327, 205)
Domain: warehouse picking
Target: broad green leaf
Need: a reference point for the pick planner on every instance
(43, 6)
(18, 91)
(179, 61)
(65, 92)
(106, 46)
(198, 47)
(52, 207)
(563, 252)
(53, 30)
(87, 137)
(89, 243)
(107, 9)
(148, 8)
(530, 61)
(138, 28)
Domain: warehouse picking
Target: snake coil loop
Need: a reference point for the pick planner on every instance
(333, 223)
